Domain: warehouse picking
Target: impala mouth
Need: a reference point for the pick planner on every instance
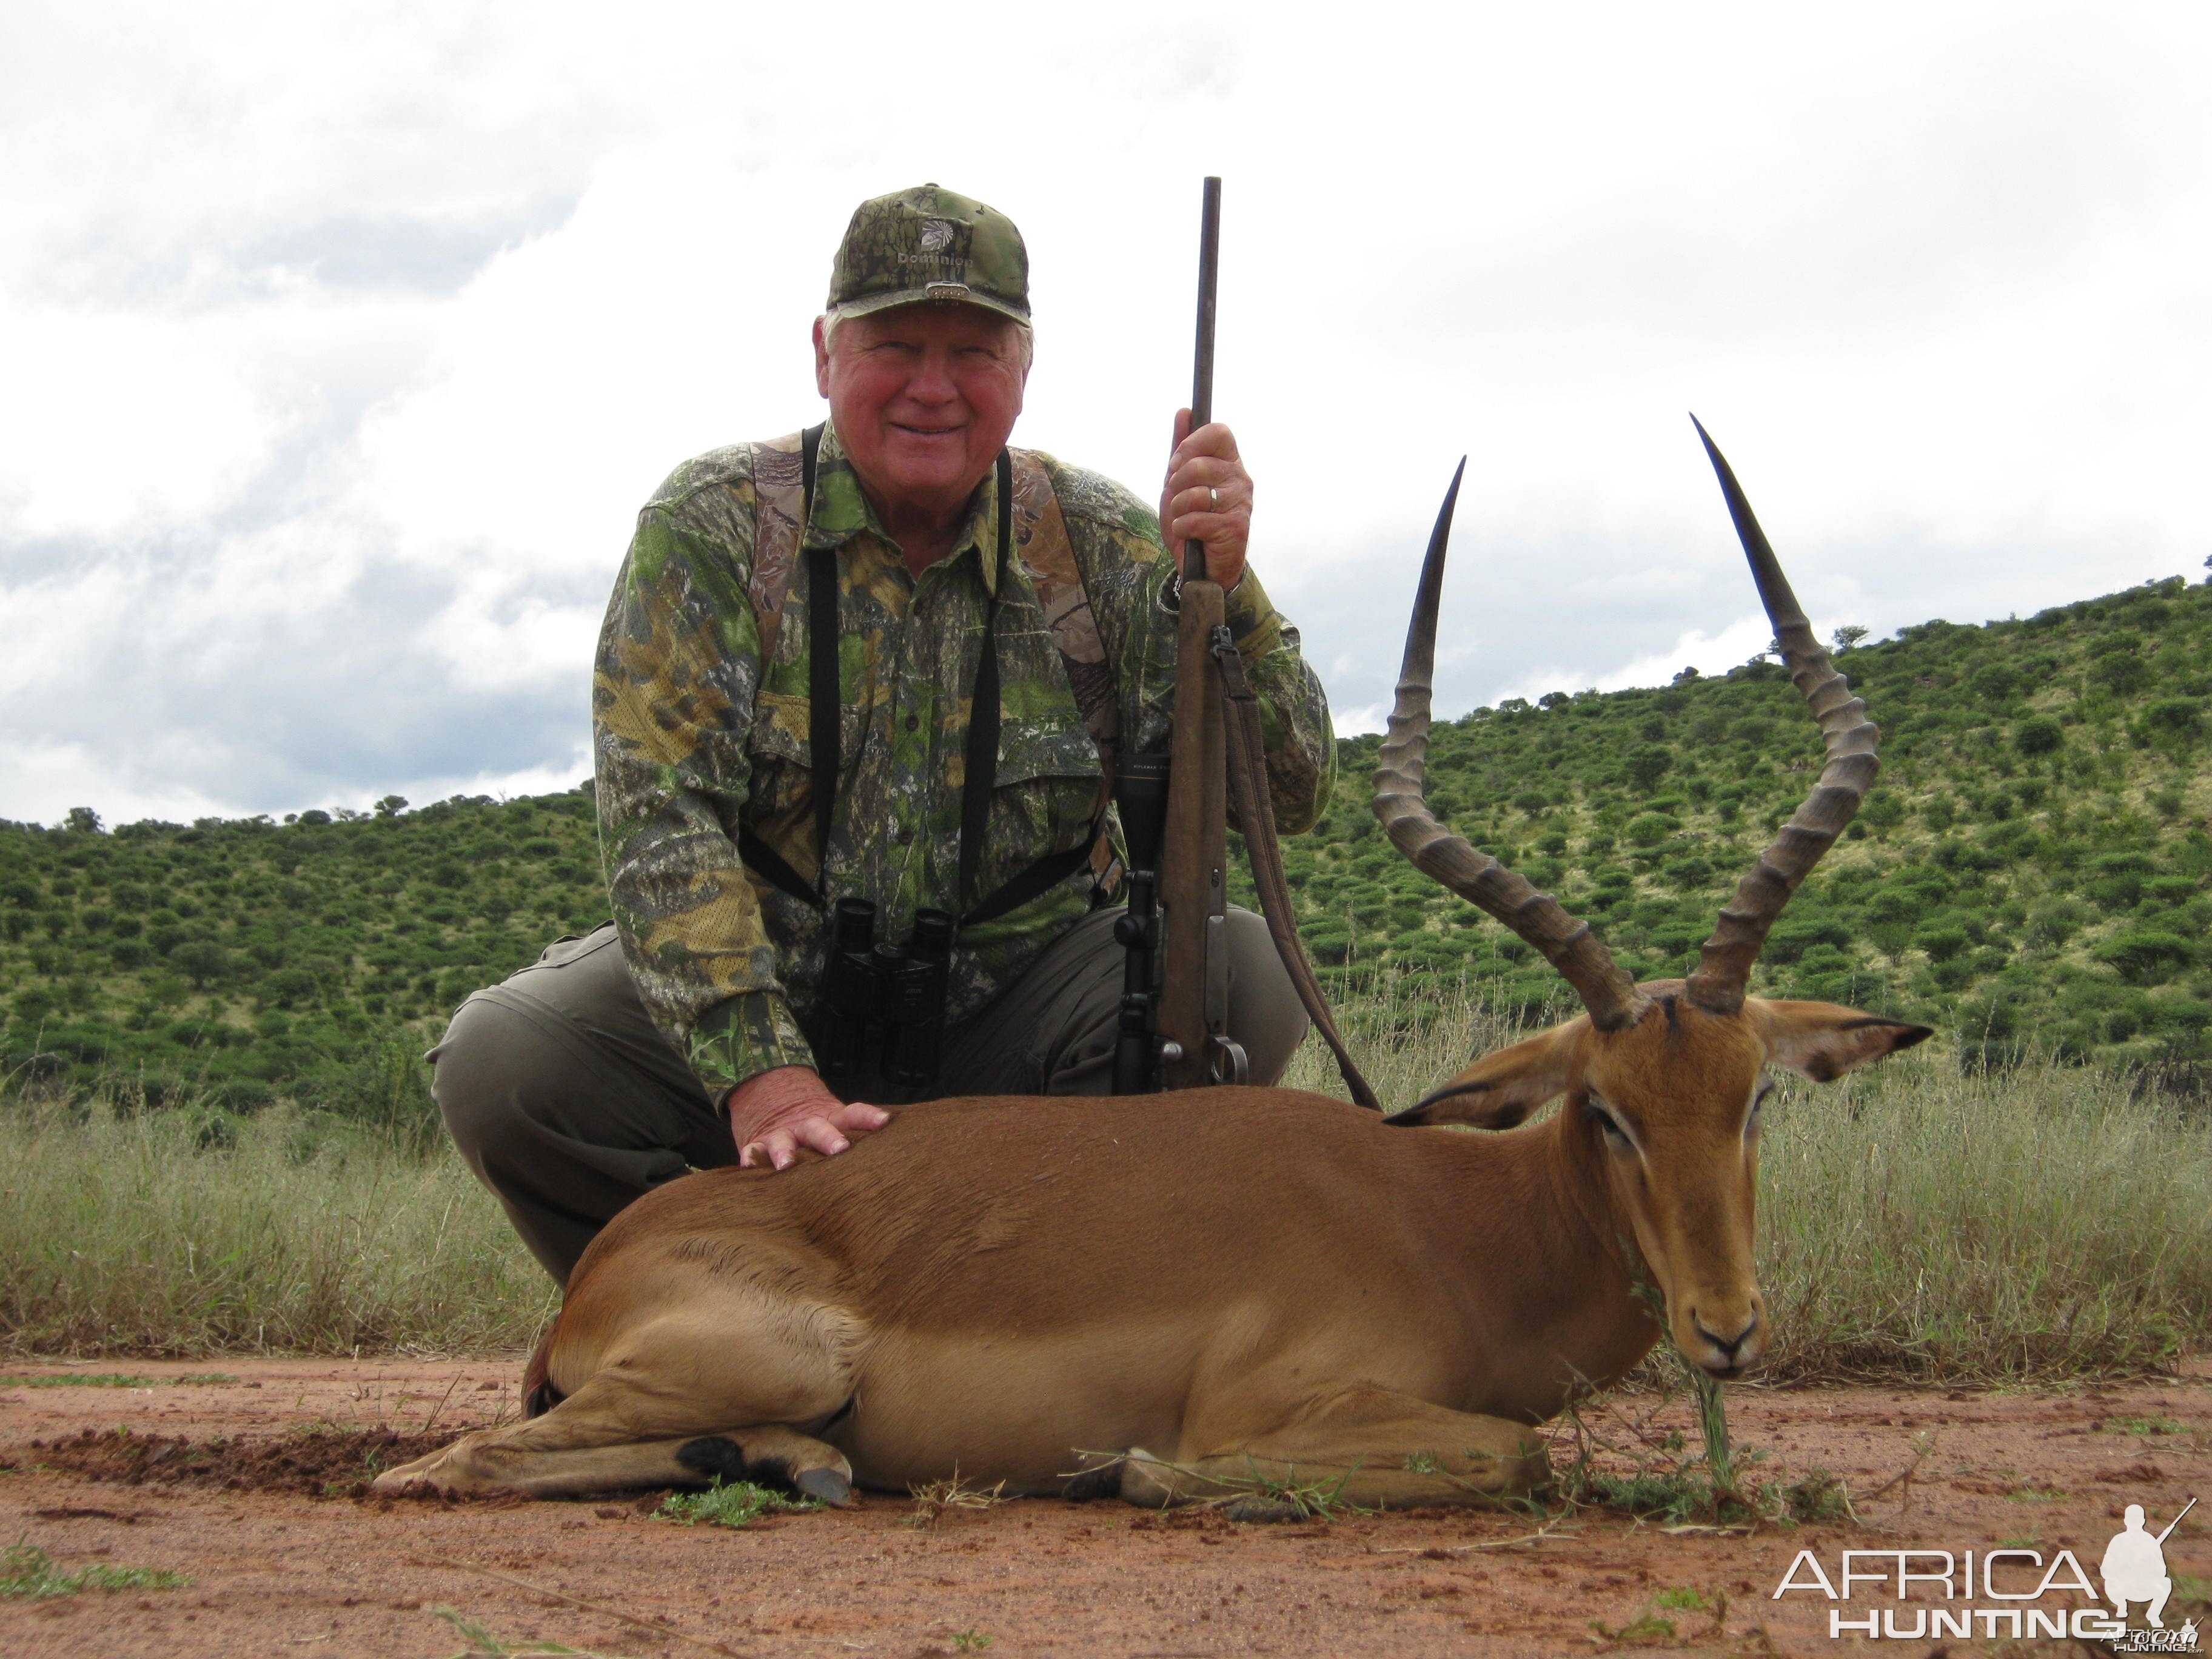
(1722, 1357)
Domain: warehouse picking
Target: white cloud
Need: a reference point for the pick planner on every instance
(342, 342)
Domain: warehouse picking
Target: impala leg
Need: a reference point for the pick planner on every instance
(592, 1442)
(1365, 1447)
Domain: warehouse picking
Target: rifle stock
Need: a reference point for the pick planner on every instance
(1194, 876)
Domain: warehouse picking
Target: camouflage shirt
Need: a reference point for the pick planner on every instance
(699, 724)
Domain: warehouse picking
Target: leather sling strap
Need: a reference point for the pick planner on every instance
(825, 703)
(1255, 816)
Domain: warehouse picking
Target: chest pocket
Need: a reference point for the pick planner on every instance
(782, 754)
(1052, 783)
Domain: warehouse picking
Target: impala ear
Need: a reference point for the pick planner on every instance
(1501, 1089)
(1823, 1040)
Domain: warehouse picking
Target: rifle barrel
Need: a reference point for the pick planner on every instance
(2176, 1521)
(1201, 378)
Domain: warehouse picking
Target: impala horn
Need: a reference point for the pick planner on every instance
(1724, 964)
(1568, 944)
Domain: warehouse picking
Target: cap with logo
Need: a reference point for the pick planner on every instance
(930, 243)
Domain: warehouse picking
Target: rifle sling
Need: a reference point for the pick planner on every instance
(825, 704)
(1255, 816)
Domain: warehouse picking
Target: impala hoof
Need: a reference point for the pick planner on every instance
(1263, 1511)
(1142, 1481)
(404, 1483)
(827, 1484)
(1091, 1485)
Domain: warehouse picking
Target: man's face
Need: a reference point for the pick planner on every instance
(924, 396)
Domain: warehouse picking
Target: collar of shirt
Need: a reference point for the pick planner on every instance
(842, 512)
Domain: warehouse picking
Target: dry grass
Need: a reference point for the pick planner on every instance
(127, 1235)
(931, 1501)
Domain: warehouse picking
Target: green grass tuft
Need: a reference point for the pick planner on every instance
(2142, 1426)
(28, 1572)
(729, 1503)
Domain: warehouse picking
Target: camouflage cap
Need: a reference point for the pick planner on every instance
(929, 244)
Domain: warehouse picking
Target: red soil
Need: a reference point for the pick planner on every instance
(251, 1487)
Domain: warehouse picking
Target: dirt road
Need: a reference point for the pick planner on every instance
(282, 1559)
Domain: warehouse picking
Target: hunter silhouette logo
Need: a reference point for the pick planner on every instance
(2134, 1569)
(2013, 1583)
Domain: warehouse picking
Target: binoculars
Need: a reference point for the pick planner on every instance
(883, 1003)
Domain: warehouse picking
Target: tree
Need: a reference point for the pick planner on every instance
(1647, 765)
(391, 806)
(83, 821)
(2146, 956)
(1847, 636)
(200, 962)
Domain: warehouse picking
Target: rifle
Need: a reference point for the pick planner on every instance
(1177, 1031)
(1194, 997)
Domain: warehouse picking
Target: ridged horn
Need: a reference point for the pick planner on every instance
(1723, 968)
(1568, 944)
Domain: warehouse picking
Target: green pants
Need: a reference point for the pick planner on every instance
(569, 1102)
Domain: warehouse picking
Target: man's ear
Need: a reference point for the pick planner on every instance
(821, 360)
(1501, 1089)
(1824, 1040)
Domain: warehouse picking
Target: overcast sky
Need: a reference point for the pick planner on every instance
(339, 344)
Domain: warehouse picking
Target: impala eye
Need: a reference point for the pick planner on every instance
(1616, 1138)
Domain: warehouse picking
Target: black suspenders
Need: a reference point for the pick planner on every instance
(825, 705)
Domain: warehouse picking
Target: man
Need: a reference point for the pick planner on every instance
(691, 1032)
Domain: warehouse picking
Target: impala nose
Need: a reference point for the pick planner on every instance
(1729, 1353)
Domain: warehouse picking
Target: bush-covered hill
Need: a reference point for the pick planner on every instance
(246, 959)
(2031, 869)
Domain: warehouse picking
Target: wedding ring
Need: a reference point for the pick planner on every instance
(1213, 498)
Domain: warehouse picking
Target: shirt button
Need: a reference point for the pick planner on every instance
(913, 722)
(905, 837)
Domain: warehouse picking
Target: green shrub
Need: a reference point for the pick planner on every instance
(2174, 715)
(2121, 672)
(1794, 935)
(1941, 943)
(2147, 956)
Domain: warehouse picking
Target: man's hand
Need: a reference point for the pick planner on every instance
(1207, 498)
(774, 1115)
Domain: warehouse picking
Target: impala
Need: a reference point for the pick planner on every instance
(1166, 1296)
